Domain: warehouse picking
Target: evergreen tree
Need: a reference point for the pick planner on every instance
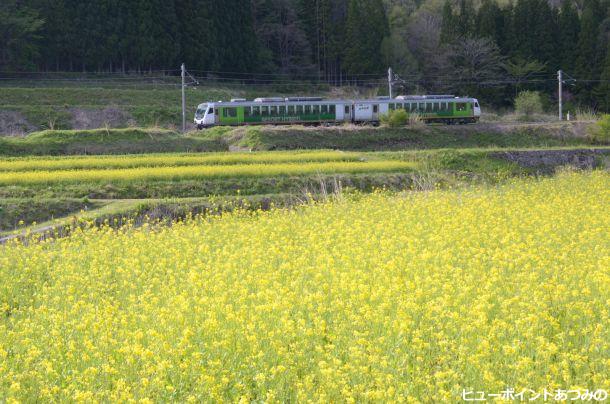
(588, 40)
(537, 42)
(366, 28)
(19, 27)
(236, 39)
(602, 91)
(197, 35)
(54, 40)
(465, 19)
(569, 27)
(587, 64)
(449, 31)
(506, 37)
(489, 21)
(314, 19)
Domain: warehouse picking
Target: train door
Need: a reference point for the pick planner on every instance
(375, 116)
(347, 114)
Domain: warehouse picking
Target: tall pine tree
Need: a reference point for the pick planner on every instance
(602, 91)
(569, 27)
(366, 28)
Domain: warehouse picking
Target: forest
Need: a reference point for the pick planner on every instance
(486, 48)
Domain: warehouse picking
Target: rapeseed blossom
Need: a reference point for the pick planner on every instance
(199, 172)
(385, 297)
(170, 160)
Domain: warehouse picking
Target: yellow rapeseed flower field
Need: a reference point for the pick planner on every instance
(199, 172)
(163, 160)
(409, 297)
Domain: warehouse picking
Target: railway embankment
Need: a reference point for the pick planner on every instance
(259, 138)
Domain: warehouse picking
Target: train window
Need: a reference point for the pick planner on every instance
(316, 110)
(428, 107)
(299, 109)
(265, 110)
(290, 109)
(211, 111)
(273, 110)
(247, 111)
(307, 109)
(435, 107)
(375, 109)
(392, 107)
(460, 106)
(324, 109)
(332, 109)
(476, 104)
(282, 110)
(421, 107)
(347, 110)
(256, 111)
(229, 112)
(443, 106)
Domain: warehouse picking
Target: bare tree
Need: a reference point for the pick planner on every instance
(278, 28)
(423, 40)
(473, 63)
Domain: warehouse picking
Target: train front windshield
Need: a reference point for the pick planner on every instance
(201, 112)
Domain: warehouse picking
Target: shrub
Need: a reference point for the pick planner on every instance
(600, 132)
(528, 103)
(396, 118)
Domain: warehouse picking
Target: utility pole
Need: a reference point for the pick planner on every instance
(183, 69)
(560, 79)
(390, 78)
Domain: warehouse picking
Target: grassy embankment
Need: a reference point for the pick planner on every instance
(135, 140)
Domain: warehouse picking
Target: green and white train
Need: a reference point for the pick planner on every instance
(318, 111)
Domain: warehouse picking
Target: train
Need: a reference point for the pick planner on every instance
(446, 109)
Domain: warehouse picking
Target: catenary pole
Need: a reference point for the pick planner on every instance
(183, 70)
(390, 80)
(560, 79)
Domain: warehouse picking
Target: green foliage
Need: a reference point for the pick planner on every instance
(601, 132)
(587, 64)
(569, 28)
(602, 91)
(395, 118)
(26, 211)
(366, 28)
(102, 141)
(19, 29)
(528, 103)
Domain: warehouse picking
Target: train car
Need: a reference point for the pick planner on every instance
(440, 108)
(318, 111)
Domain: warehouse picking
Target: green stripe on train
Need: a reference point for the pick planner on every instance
(240, 117)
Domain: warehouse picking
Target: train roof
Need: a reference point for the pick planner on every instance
(321, 101)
